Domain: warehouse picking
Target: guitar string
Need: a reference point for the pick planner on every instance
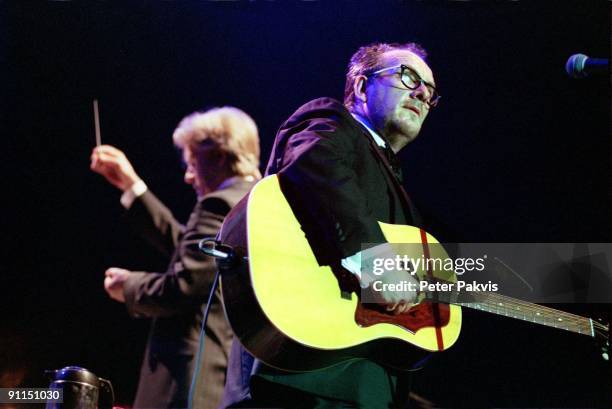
(570, 325)
(584, 329)
(549, 316)
(548, 310)
(530, 307)
(576, 320)
(582, 326)
(579, 324)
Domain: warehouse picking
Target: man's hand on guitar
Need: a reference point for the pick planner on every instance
(396, 302)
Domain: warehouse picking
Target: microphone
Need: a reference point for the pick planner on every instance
(580, 66)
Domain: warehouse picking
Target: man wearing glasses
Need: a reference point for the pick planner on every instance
(338, 170)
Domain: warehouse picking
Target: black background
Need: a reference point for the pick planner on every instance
(516, 151)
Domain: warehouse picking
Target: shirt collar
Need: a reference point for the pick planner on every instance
(234, 179)
(379, 141)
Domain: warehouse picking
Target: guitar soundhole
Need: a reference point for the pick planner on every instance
(425, 314)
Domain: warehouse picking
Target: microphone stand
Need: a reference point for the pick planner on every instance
(226, 258)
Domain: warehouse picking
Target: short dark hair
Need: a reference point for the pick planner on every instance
(367, 59)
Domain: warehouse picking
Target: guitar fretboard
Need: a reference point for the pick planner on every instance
(513, 308)
(538, 314)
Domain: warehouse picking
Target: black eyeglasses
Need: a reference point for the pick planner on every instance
(411, 80)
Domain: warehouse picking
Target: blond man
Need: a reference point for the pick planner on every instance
(221, 152)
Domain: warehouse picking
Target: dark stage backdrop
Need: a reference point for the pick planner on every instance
(516, 151)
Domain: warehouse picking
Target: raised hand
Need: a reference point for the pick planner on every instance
(112, 163)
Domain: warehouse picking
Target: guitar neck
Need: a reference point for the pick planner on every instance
(513, 308)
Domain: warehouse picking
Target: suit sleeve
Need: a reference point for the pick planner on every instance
(318, 177)
(186, 284)
(154, 222)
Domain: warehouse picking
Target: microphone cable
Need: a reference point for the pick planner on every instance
(204, 246)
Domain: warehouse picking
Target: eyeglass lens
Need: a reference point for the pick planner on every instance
(412, 80)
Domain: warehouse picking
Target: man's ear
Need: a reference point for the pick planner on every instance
(226, 162)
(220, 159)
(359, 88)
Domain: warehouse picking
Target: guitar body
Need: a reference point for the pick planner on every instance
(289, 312)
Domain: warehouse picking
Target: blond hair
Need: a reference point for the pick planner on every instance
(230, 129)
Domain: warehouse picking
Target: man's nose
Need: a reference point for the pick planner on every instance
(189, 176)
(421, 93)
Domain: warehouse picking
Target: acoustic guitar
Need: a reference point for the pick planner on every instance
(291, 313)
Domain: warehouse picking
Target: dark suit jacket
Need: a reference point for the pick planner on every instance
(174, 300)
(335, 181)
(338, 187)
